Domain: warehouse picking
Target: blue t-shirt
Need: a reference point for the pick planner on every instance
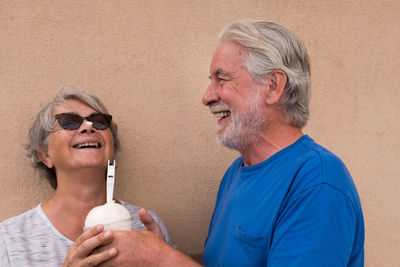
(299, 207)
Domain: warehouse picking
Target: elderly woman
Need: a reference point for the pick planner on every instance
(71, 141)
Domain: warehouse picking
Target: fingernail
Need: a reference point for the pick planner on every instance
(107, 234)
(99, 227)
(112, 251)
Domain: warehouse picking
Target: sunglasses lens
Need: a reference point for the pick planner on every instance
(100, 121)
(70, 121)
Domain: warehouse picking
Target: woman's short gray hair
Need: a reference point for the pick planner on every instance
(42, 126)
(270, 47)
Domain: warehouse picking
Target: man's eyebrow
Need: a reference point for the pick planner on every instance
(218, 72)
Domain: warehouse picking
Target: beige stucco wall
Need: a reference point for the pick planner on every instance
(149, 60)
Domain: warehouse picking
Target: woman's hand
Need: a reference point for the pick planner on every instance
(80, 253)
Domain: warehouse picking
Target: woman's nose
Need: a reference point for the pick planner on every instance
(87, 127)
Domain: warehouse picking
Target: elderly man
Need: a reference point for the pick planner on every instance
(287, 201)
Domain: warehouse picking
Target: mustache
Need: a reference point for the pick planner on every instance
(219, 106)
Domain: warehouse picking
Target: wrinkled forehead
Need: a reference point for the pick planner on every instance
(228, 56)
(230, 49)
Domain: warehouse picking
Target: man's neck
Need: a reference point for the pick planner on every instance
(270, 142)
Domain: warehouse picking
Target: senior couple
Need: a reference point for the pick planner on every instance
(286, 201)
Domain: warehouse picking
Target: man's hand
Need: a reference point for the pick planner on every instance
(80, 253)
(143, 248)
(150, 224)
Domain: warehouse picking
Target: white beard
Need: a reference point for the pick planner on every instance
(244, 127)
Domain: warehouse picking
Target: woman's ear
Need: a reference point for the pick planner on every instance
(45, 158)
(276, 82)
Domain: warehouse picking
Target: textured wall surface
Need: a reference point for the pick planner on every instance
(149, 60)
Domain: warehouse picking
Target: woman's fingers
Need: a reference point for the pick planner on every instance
(96, 259)
(95, 230)
(80, 253)
(86, 248)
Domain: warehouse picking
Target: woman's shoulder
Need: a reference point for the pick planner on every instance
(20, 220)
(22, 226)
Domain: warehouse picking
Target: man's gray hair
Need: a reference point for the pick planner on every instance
(270, 47)
(43, 125)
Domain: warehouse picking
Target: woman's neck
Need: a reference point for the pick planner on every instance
(74, 197)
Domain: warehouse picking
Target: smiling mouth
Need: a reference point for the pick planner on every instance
(222, 114)
(88, 145)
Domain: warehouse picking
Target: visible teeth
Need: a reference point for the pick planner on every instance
(89, 144)
(222, 114)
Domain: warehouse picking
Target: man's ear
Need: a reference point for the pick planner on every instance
(45, 158)
(276, 82)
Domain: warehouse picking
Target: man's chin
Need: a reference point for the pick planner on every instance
(227, 141)
(221, 134)
(220, 137)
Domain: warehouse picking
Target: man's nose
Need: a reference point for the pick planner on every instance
(210, 95)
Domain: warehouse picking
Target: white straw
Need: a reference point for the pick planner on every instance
(110, 181)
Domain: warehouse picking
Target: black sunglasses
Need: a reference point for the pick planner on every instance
(71, 121)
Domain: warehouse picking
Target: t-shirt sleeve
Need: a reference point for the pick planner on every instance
(315, 228)
(4, 262)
